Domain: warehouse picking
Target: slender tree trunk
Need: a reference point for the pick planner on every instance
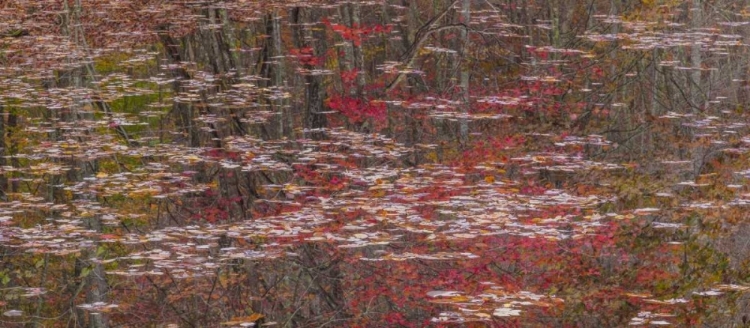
(464, 78)
(3, 151)
(315, 91)
(696, 88)
(95, 281)
(346, 61)
(359, 61)
(286, 121)
(229, 41)
(211, 41)
(183, 111)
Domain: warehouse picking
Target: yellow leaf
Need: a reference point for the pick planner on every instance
(240, 320)
(460, 298)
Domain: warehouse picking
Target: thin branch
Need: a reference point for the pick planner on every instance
(411, 55)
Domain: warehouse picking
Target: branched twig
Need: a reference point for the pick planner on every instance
(419, 38)
(411, 54)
